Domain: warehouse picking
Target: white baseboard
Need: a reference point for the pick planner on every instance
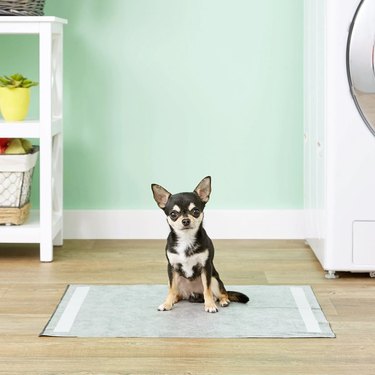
(151, 224)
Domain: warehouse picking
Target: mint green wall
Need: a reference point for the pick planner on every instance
(169, 91)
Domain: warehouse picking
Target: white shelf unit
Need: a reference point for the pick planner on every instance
(44, 226)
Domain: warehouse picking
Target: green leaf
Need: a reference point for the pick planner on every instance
(17, 77)
(16, 80)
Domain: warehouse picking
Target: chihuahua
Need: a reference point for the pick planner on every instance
(190, 252)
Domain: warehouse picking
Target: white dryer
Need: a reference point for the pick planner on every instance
(339, 144)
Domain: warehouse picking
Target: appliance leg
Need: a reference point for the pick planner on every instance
(372, 274)
(331, 275)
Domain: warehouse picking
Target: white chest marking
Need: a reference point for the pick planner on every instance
(187, 263)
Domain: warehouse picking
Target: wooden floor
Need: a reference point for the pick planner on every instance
(30, 291)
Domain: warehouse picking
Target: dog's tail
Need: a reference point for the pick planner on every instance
(237, 297)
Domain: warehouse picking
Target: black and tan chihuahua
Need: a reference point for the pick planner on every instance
(190, 252)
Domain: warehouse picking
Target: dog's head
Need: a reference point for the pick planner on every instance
(184, 210)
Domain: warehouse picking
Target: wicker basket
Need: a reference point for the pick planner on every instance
(22, 7)
(16, 172)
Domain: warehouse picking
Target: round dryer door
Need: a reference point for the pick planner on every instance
(361, 61)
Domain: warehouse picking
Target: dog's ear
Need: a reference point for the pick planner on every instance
(204, 189)
(161, 195)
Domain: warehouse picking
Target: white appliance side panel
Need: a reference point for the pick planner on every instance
(314, 118)
(350, 148)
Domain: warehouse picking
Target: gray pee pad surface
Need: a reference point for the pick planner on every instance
(131, 311)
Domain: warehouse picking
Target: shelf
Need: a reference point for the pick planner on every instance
(28, 232)
(44, 226)
(27, 128)
(32, 19)
(28, 25)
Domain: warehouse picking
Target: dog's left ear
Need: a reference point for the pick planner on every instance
(204, 189)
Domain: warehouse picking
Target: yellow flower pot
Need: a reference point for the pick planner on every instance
(14, 103)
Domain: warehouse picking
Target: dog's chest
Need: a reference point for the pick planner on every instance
(186, 261)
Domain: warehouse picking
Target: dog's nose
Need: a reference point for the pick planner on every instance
(185, 222)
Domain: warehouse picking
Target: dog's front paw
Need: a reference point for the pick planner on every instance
(165, 307)
(211, 308)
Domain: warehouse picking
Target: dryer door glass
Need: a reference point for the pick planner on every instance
(360, 61)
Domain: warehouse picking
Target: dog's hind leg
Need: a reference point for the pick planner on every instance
(219, 291)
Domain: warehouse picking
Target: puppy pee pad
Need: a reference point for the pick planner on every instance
(131, 311)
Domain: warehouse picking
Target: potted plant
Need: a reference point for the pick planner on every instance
(15, 96)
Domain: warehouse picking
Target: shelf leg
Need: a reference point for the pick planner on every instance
(46, 251)
(46, 149)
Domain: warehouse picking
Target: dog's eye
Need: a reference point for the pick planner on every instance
(174, 215)
(195, 212)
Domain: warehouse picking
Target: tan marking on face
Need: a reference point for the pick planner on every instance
(191, 206)
(194, 222)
